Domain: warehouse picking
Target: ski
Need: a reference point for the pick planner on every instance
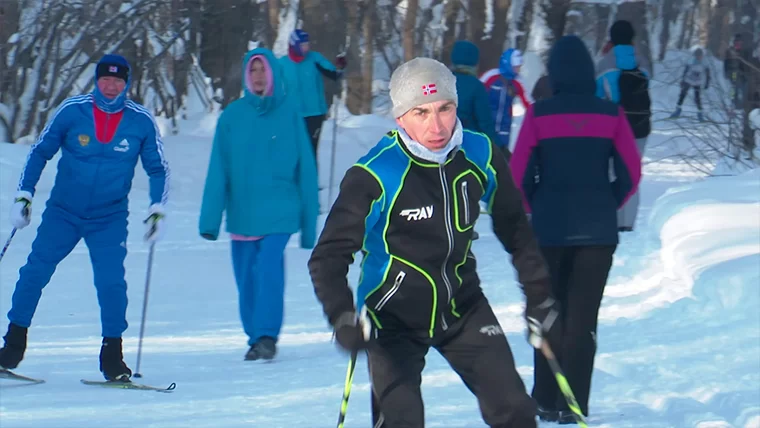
(7, 374)
(128, 385)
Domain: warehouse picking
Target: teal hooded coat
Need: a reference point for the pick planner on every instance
(262, 170)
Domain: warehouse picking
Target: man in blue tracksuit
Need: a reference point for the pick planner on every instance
(100, 135)
(303, 69)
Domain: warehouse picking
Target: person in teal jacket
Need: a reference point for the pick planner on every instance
(263, 175)
(473, 108)
(303, 69)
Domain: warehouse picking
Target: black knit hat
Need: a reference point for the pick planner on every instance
(112, 65)
(621, 33)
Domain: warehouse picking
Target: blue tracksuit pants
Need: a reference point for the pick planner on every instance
(260, 275)
(57, 235)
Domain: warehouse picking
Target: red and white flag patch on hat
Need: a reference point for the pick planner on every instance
(113, 69)
(429, 89)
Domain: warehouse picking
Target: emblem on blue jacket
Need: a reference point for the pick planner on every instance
(84, 140)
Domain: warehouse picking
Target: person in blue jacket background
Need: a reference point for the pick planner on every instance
(623, 78)
(473, 109)
(263, 175)
(100, 135)
(303, 69)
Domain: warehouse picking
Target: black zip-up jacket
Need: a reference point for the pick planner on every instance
(413, 221)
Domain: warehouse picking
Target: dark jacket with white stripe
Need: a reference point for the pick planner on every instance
(413, 222)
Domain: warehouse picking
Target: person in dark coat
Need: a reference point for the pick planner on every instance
(542, 89)
(472, 108)
(561, 163)
(735, 67)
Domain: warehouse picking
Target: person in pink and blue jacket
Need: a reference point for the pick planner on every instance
(561, 163)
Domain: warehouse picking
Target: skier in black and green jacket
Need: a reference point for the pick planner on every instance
(410, 206)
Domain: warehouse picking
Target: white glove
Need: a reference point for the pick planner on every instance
(155, 223)
(21, 211)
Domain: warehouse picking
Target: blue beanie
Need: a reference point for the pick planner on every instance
(296, 38)
(465, 53)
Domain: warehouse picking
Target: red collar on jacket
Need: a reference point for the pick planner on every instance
(293, 55)
(105, 124)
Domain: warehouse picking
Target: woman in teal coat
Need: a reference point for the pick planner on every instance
(262, 173)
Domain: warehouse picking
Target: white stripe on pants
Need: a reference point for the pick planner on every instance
(627, 215)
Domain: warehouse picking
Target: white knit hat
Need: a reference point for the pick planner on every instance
(421, 81)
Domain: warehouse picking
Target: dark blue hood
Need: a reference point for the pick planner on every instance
(571, 69)
(465, 53)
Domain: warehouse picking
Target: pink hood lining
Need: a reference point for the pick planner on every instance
(249, 84)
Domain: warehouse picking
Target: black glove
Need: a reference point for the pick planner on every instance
(349, 332)
(341, 61)
(541, 318)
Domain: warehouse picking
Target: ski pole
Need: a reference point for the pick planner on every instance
(7, 243)
(332, 154)
(144, 310)
(564, 387)
(347, 388)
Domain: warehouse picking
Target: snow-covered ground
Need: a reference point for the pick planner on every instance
(679, 334)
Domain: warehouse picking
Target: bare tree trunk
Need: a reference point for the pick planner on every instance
(10, 13)
(602, 12)
(423, 43)
(667, 18)
(636, 14)
(450, 13)
(524, 24)
(354, 72)
(703, 29)
(226, 32)
(476, 21)
(746, 22)
(555, 15)
(273, 20)
(492, 44)
(410, 24)
(319, 17)
(690, 24)
(718, 21)
(687, 19)
(368, 58)
(194, 14)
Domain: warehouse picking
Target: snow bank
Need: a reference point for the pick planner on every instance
(754, 118)
(712, 229)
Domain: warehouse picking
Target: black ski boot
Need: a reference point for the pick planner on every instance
(547, 415)
(15, 345)
(265, 348)
(112, 360)
(566, 417)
